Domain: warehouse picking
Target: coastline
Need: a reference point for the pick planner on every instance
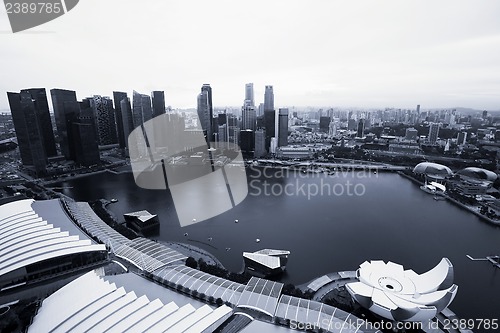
(193, 251)
(455, 202)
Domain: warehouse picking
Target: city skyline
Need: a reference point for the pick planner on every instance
(325, 53)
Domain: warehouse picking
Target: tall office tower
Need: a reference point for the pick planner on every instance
(141, 109)
(248, 118)
(205, 111)
(118, 96)
(485, 114)
(260, 110)
(324, 123)
(158, 102)
(433, 132)
(249, 96)
(260, 143)
(158, 99)
(29, 131)
(105, 119)
(361, 128)
(65, 110)
(260, 122)
(269, 99)
(270, 125)
(283, 127)
(127, 119)
(83, 136)
(247, 138)
(39, 98)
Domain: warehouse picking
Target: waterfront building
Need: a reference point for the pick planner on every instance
(403, 295)
(65, 108)
(266, 262)
(40, 241)
(301, 153)
(142, 221)
(433, 171)
(84, 143)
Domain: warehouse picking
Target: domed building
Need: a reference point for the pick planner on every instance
(433, 170)
(478, 174)
(474, 181)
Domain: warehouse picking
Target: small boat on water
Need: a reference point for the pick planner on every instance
(257, 240)
(113, 200)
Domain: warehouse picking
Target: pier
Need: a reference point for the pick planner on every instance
(494, 260)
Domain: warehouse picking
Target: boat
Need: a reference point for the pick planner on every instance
(257, 240)
(113, 200)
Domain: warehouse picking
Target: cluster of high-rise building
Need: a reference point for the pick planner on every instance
(84, 126)
(81, 126)
(260, 130)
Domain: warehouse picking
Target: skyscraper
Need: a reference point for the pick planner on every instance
(127, 118)
(260, 143)
(65, 110)
(29, 131)
(361, 128)
(118, 96)
(283, 127)
(433, 133)
(105, 119)
(249, 96)
(158, 99)
(268, 99)
(205, 111)
(248, 118)
(270, 125)
(83, 136)
(141, 109)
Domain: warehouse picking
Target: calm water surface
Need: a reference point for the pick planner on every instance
(386, 217)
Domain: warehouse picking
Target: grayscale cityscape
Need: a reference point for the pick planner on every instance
(337, 170)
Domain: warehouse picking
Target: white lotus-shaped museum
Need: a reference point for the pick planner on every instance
(403, 295)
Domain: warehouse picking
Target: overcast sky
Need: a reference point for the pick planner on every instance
(315, 53)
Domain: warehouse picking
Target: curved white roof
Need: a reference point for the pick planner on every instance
(478, 173)
(403, 295)
(432, 169)
(26, 237)
(95, 305)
